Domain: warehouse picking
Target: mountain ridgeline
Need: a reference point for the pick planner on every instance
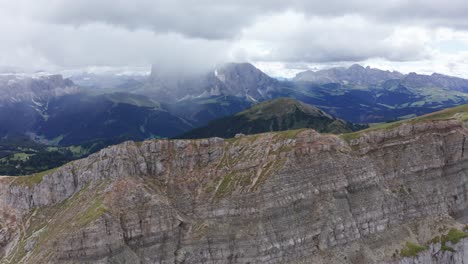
(102, 110)
(354, 75)
(275, 115)
(357, 75)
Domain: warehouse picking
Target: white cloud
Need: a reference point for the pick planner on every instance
(293, 37)
(279, 36)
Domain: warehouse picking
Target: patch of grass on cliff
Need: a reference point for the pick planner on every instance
(139, 143)
(269, 169)
(453, 236)
(444, 247)
(229, 183)
(412, 249)
(33, 180)
(289, 134)
(245, 181)
(93, 212)
(19, 253)
(224, 187)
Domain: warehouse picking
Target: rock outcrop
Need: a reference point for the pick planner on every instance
(287, 197)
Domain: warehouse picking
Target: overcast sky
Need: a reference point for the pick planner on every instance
(281, 37)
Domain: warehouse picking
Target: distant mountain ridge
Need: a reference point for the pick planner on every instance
(354, 75)
(435, 80)
(365, 76)
(276, 115)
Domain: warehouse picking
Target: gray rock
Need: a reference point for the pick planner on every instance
(267, 198)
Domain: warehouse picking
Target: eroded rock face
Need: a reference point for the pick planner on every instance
(435, 254)
(290, 197)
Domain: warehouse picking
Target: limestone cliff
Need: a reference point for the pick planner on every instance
(383, 196)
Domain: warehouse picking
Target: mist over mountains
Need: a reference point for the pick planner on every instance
(356, 94)
(233, 79)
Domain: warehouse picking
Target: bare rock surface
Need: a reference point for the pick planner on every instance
(288, 197)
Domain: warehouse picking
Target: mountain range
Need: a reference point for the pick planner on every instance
(354, 75)
(98, 110)
(357, 75)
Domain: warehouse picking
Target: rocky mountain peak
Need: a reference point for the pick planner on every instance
(234, 79)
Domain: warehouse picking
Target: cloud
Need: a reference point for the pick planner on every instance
(194, 19)
(38, 46)
(188, 35)
(297, 38)
(104, 45)
(215, 19)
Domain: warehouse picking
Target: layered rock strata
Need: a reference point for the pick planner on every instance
(288, 197)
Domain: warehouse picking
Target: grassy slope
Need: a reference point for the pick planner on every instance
(459, 113)
(275, 115)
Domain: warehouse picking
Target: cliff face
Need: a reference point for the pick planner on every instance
(289, 197)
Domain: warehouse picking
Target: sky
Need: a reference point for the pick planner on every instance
(280, 37)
